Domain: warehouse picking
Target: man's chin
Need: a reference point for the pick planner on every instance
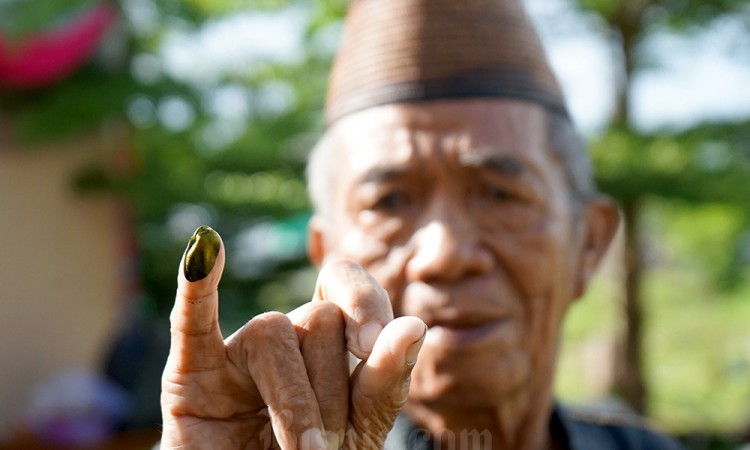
(471, 380)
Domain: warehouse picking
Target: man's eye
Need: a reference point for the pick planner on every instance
(390, 201)
(497, 193)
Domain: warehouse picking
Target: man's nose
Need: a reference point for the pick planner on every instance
(447, 248)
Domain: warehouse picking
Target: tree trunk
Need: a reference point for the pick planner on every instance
(629, 379)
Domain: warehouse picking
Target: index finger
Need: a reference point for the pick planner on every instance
(196, 338)
(365, 304)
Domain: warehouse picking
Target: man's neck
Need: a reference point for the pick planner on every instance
(520, 422)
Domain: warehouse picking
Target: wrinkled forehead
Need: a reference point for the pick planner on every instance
(398, 134)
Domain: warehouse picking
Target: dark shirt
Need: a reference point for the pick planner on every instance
(573, 430)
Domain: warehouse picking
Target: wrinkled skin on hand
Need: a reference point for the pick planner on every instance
(283, 380)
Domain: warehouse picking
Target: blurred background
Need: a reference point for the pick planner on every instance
(126, 125)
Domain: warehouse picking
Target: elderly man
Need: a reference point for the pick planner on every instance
(451, 193)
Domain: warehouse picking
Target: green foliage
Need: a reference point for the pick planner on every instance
(75, 106)
(697, 363)
(19, 18)
(221, 7)
(325, 13)
(710, 163)
(680, 14)
(605, 8)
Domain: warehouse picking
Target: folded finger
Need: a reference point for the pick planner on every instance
(320, 330)
(366, 306)
(271, 351)
(381, 383)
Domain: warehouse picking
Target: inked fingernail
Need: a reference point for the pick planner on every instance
(413, 351)
(201, 252)
(368, 335)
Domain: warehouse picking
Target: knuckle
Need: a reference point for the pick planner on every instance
(295, 396)
(263, 333)
(342, 267)
(363, 295)
(295, 393)
(325, 315)
(270, 326)
(368, 303)
(333, 401)
(358, 294)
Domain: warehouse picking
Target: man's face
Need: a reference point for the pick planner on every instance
(463, 214)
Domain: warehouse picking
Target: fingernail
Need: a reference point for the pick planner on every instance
(368, 335)
(413, 351)
(334, 440)
(312, 439)
(201, 252)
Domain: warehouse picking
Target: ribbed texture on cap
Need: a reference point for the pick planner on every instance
(409, 50)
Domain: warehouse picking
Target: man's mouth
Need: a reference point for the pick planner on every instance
(463, 335)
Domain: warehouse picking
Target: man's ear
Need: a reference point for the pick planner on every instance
(601, 219)
(316, 248)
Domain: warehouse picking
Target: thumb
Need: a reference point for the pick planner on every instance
(381, 383)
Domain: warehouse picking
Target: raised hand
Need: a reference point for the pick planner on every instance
(283, 380)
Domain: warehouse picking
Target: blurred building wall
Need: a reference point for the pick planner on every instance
(59, 270)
